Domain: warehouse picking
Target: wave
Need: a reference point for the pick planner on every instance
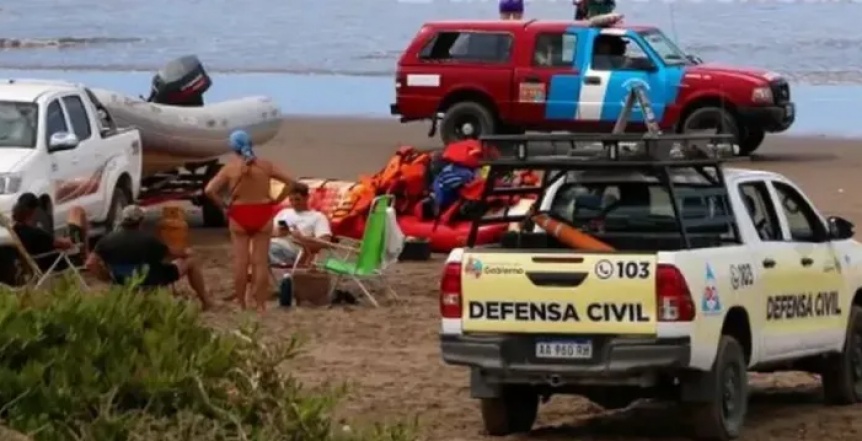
(61, 42)
(814, 77)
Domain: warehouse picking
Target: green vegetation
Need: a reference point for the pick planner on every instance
(132, 366)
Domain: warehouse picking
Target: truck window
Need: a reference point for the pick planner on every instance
(761, 210)
(488, 47)
(18, 122)
(805, 225)
(55, 120)
(612, 52)
(78, 117)
(665, 48)
(554, 50)
(629, 214)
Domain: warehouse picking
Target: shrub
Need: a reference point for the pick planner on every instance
(133, 366)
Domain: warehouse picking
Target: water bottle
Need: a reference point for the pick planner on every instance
(285, 292)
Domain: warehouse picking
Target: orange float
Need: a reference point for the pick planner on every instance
(570, 236)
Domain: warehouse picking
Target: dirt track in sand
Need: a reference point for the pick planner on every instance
(390, 355)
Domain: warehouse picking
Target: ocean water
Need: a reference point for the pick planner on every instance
(310, 55)
(814, 41)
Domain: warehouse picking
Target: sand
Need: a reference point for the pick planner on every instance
(390, 355)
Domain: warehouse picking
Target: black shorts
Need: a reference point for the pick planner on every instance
(162, 275)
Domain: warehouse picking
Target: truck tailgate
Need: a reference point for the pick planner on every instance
(558, 293)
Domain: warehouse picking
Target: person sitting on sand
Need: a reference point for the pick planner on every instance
(250, 209)
(300, 223)
(43, 245)
(130, 250)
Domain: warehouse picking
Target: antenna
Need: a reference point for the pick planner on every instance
(672, 21)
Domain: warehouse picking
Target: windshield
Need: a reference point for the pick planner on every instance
(18, 123)
(625, 210)
(665, 48)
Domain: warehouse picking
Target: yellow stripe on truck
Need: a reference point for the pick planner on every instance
(615, 296)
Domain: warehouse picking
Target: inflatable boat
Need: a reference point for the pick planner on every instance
(177, 128)
(325, 195)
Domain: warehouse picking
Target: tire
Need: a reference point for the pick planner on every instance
(45, 217)
(119, 200)
(467, 119)
(842, 373)
(513, 412)
(754, 136)
(213, 216)
(712, 421)
(710, 117)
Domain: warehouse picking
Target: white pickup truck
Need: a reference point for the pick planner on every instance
(58, 142)
(715, 272)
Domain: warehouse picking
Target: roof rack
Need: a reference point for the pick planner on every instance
(609, 150)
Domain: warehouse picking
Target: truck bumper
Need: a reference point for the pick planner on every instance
(777, 118)
(616, 361)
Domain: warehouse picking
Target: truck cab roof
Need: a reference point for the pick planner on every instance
(30, 90)
(516, 25)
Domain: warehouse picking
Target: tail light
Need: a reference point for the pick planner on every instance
(450, 291)
(673, 298)
(399, 79)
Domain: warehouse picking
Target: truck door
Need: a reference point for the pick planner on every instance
(772, 266)
(91, 168)
(620, 59)
(810, 302)
(64, 163)
(547, 86)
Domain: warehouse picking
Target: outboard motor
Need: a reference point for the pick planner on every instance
(182, 82)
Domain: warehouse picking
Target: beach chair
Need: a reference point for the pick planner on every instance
(35, 278)
(364, 263)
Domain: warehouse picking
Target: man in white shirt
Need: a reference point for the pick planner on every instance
(300, 223)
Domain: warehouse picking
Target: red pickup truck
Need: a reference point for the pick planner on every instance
(483, 77)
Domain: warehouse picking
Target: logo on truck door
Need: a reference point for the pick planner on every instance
(711, 303)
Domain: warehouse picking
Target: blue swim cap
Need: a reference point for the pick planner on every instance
(240, 143)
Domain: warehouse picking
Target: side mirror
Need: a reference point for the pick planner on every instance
(840, 228)
(694, 59)
(641, 63)
(62, 141)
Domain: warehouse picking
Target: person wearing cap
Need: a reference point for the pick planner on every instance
(250, 208)
(129, 251)
(42, 244)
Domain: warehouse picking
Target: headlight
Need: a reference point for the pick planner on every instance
(9, 183)
(762, 95)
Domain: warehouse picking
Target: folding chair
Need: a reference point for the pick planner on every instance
(364, 263)
(37, 277)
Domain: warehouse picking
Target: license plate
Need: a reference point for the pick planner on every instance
(564, 350)
(788, 109)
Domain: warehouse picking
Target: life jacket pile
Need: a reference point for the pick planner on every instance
(406, 176)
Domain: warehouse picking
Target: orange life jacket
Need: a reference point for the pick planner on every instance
(466, 153)
(403, 176)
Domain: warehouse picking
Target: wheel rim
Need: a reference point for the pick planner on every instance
(468, 127)
(731, 394)
(856, 360)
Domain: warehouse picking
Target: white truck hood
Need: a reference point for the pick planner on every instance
(11, 157)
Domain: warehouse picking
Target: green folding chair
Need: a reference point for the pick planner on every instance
(364, 264)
